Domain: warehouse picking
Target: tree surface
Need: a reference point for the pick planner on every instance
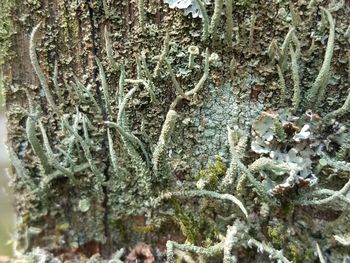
(210, 131)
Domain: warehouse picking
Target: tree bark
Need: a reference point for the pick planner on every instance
(114, 115)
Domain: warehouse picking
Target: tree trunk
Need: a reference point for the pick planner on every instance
(131, 122)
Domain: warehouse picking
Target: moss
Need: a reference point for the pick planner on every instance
(277, 235)
(299, 255)
(212, 176)
(195, 227)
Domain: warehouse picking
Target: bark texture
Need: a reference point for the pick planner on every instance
(131, 122)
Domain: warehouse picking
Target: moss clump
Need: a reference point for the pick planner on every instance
(297, 254)
(195, 227)
(144, 229)
(276, 234)
(208, 179)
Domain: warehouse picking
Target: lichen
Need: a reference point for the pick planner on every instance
(147, 122)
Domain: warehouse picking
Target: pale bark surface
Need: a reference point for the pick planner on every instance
(108, 202)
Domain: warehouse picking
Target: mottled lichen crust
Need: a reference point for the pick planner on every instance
(124, 116)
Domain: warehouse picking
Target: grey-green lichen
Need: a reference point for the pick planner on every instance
(114, 161)
(215, 19)
(318, 89)
(229, 23)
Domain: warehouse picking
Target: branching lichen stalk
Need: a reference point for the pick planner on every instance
(82, 88)
(331, 198)
(215, 20)
(38, 71)
(251, 31)
(125, 100)
(128, 136)
(229, 242)
(121, 83)
(200, 83)
(229, 23)
(112, 152)
(104, 86)
(109, 50)
(257, 185)
(205, 194)
(193, 51)
(205, 251)
(51, 155)
(318, 89)
(159, 154)
(86, 150)
(34, 141)
(21, 171)
(319, 253)
(296, 79)
(205, 19)
(174, 80)
(275, 254)
(55, 83)
(284, 49)
(150, 86)
(142, 13)
(282, 84)
(162, 57)
(339, 112)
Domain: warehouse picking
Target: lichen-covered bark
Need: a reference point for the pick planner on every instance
(130, 116)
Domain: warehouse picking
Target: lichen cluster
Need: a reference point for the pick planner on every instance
(240, 124)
